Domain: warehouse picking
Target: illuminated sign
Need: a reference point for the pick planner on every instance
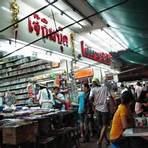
(84, 73)
(89, 53)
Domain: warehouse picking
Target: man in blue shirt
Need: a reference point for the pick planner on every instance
(81, 101)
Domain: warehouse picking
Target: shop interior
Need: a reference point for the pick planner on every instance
(53, 47)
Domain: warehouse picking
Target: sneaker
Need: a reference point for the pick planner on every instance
(91, 134)
(107, 142)
(99, 145)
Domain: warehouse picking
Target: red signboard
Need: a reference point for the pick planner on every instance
(101, 57)
(40, 26)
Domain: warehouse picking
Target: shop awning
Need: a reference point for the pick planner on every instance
(131, 21)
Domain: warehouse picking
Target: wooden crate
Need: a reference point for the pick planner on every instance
(20, 133)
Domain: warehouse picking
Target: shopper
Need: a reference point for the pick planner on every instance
(121, 121)
(138, 89)
(100, 96)
(142, 103)
(45, 97)
(132, 89)
(81, 100)
(88, 114)
(94, 90)
(123, 88)
(145, 87)
(145, 100)
(59, 99)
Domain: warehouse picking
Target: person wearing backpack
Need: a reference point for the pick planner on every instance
(101, 95)
(45, 97)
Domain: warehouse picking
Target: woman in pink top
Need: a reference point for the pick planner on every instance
(141, 103)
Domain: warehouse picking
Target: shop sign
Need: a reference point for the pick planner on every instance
(89, 53)
(85, 73)
(41, 26)
(36, 26)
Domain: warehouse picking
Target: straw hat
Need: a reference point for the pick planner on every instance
(42, 84)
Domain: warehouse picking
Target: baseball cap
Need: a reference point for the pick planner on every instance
(96, 80)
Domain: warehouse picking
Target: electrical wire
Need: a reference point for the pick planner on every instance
(26, 17)
(94, 14)
(127, 26)
(62, 12)
(114, 38)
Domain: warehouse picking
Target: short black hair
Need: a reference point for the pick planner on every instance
(142, 96)
(56, 87)
(86, 85)
(126, 97)
(138, 83)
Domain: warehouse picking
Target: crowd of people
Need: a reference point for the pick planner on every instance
(115, 111)
(104, 109)
(52, 98)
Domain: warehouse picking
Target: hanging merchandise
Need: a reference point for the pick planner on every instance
(15, 9)
(52, 75)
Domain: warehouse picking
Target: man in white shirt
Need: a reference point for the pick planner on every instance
(138, 89)
(45, 97)
(101, 95)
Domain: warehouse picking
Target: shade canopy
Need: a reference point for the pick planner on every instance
(129, 20)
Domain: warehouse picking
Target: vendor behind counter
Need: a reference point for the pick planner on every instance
(59, 99)
(45, 97)
(48, 99)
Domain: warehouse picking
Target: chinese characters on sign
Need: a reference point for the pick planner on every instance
(101, 57)
(41, 27)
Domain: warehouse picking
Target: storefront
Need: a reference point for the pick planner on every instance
(43, 65)
(31, 62)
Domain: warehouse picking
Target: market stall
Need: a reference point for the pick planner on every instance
(37, 126)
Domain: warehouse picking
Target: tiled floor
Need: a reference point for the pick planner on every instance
(93, 144)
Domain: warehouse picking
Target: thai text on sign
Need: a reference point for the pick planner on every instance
(40, 26)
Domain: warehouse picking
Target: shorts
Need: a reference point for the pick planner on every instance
(102, 118)
(81, 117)
(121, 142)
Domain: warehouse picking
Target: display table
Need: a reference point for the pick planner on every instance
(135, 132)
(25, 126)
